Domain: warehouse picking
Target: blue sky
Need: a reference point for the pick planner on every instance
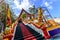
(52, 5)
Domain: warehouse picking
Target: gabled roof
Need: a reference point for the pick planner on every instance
(22, 12)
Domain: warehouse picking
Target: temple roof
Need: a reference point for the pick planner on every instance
(25, 12)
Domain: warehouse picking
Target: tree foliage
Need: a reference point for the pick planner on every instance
(33, 10)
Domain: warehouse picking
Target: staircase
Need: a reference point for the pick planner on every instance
(29, 33)
(18, 33)
(24, 32)
(37, 35)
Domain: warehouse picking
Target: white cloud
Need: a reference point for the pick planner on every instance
(48, 5)
(16, 2)
(10, 2)
(24, 4)
(57, 20)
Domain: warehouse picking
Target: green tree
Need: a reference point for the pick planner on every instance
(3, 13)
(33, 10)
(13, 16)
(23, 16)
